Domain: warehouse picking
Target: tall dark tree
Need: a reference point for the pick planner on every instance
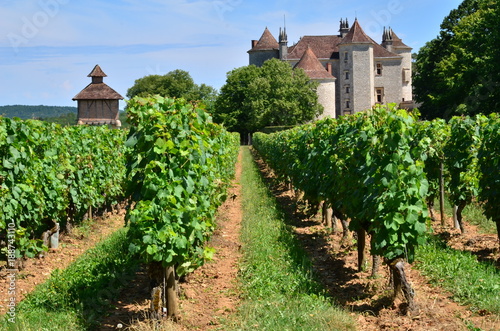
(458, 72)
(271, 95)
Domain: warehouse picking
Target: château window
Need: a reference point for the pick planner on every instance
(379, 69)
(379, 94)
(347, 89)
(346, 75)
(347, 104)
(346, 56)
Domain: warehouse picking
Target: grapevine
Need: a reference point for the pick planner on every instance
(179, 166)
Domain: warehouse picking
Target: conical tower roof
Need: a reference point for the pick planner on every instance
(266, 42)
(356, 35)
(397, 42)
(311, 65)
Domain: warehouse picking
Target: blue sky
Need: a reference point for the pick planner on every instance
(48, 47)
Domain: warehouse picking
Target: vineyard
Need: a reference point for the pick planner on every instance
(52, 176)
(377, 174)
(382, 169)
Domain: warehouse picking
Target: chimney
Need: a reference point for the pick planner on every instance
(329, 68)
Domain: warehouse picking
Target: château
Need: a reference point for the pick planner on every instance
(354, 72)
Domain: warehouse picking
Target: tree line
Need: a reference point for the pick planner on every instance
(458, 72)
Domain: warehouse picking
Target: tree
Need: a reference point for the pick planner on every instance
(175, 84)
(272, 95)
(458, 72)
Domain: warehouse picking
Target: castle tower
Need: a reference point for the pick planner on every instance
(263, 49)
(317, 72)
(356, 77)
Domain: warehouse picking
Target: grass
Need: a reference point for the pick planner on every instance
(83, 229)
(473, 214)
(279, 289)
(76, 298)
(472, 283)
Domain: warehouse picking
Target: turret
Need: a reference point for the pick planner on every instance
(283, 44)
(356, 76)
(387, 40)
(344, 27)
(264, 49)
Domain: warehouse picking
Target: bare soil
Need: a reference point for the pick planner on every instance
(211, 293)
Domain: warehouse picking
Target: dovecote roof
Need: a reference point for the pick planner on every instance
(97, 90)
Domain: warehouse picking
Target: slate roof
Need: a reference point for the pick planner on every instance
(266, 42)
(312, 66)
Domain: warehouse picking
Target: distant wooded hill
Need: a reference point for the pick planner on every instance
(57, 114)
(36, 112)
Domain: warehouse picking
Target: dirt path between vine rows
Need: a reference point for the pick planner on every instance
(212, 292)
(36, 271)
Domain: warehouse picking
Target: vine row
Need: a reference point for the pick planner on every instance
(53, 174)
(382, 168)
(179, 167)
